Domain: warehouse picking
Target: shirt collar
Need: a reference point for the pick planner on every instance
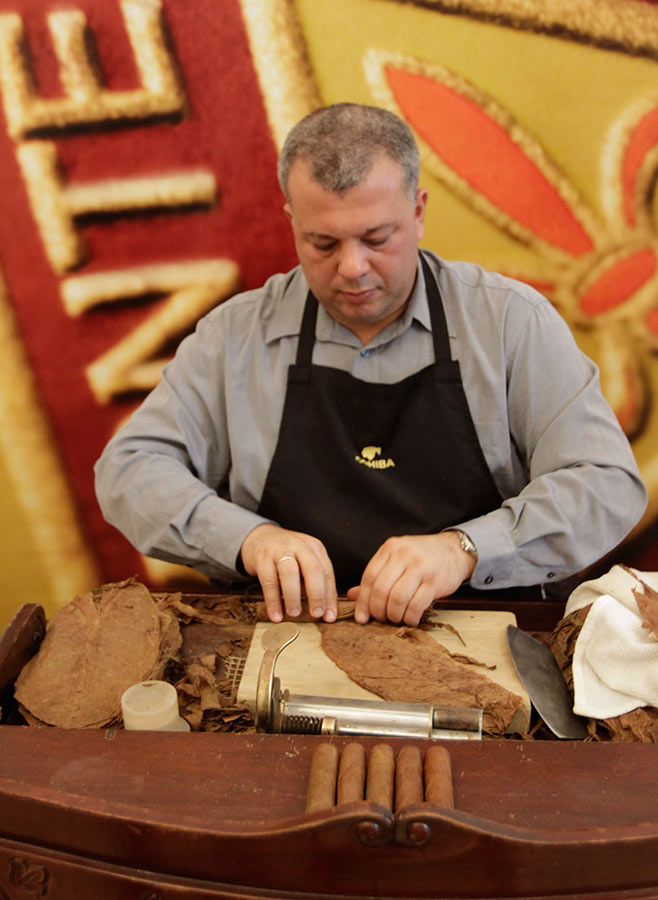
(286, 316)
(287, 307)
(418, 306)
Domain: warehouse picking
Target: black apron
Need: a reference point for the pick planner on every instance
(357, 462)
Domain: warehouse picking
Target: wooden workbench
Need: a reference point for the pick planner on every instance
(94, 815)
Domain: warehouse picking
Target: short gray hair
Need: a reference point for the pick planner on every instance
(341, 142)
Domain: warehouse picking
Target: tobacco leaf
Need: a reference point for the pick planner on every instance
(428, 626)
(223, 609)
(562, 642)
(407, 664)
(637, 726)
(471, 661)
(647, 603)
(94, 648)
(345, 610)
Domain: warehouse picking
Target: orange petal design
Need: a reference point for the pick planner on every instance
(618, 283)
(642, 139)
(481, 152)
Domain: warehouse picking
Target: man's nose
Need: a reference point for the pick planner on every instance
(353, 260)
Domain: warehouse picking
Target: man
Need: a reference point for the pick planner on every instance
(377, 417)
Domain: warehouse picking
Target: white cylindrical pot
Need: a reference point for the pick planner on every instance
(152, 706)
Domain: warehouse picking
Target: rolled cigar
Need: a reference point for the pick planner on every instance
(408, 777)
(351, 774)
(381, 775)
(438, 778)
(321, 792)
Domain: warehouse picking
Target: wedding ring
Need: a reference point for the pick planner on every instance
(281, 558)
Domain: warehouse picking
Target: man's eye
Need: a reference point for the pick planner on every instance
(324, 247)
(376, 242)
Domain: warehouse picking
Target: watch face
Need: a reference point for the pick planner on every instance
(467, 544)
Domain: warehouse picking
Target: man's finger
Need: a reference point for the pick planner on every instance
(269, 582)
(320, 584)
(362, 605)
(362, 610)
(380, 578)
(401, 594)
(420, 601)
(331, 608)
(287, 568)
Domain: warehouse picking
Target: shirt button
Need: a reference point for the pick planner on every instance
(364, 353)
(488, 579)
(550, 575)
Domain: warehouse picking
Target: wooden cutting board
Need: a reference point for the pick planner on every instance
(304, 668)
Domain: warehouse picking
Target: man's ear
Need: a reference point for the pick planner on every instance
(420, 208)
(288, 210)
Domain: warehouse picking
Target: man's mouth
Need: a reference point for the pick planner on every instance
(358, 296)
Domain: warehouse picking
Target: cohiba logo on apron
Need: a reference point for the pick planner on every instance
(367, 458)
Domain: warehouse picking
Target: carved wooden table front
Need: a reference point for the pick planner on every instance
(120, 814)
(113, 815)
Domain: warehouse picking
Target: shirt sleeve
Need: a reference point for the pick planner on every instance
(161, 479)
(583, 491)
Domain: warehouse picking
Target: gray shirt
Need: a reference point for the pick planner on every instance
(182, 479)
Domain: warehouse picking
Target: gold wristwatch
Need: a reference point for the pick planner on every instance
(466, 543)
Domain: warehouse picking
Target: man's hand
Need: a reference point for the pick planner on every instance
(407, 573)
(282, 560)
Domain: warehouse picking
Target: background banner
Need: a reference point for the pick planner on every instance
(138, 145)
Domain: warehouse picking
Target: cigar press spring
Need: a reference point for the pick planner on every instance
(301, 725)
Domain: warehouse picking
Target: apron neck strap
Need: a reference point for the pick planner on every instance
(307, 331)
(437, 315)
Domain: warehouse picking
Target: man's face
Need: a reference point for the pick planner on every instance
(358, 249)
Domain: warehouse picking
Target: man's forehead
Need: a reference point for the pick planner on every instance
(367, 232)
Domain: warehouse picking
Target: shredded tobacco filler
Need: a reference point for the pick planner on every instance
(110, 638)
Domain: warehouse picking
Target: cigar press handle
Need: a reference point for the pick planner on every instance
(273, 641)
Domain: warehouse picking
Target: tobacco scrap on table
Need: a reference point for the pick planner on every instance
(216, 633)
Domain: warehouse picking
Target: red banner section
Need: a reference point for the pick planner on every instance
(139, 190)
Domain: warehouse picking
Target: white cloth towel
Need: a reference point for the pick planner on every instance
(615, 661)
